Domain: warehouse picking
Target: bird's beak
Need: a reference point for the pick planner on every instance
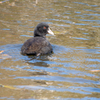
(50, 32)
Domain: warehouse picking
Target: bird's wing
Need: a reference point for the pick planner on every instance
(33, 45)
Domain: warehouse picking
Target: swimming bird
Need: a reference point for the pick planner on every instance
(38, 45)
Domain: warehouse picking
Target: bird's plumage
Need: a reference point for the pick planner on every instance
(38, 44)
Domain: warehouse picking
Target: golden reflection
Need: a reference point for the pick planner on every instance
(77, 29)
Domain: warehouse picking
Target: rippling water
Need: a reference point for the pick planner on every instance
(72, 72)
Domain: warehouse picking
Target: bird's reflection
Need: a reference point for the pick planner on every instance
(40, 61)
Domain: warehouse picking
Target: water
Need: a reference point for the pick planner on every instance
(72, 72)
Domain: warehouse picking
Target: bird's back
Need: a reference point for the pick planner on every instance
(36, 45)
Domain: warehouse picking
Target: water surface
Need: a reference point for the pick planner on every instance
(72, 72)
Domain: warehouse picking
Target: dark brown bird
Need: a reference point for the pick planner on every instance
(38, 44)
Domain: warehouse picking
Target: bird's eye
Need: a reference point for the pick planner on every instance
(44, 27)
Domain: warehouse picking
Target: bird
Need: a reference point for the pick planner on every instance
(38, 44)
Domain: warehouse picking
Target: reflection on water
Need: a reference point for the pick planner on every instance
(71, 71)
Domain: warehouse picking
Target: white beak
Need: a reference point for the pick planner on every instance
(50, 32)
